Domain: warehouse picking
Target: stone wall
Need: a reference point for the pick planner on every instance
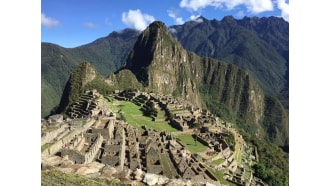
(75, 142)
(122, 151)
(52, 135)
(67, 139)
(201, 140)
(111, 126)
(81, 143)
(62, 134)
(89, 156)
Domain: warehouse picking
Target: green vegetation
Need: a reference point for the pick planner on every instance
(74, 87)
(56, 66)
(276, 121)
(230, 139)
(166, 165)
(218, 161)
(259, 45)
(107, 54)
(219, 175)
(273, 165)
(194, 146)
(222, 89)
(124, 80)
(99, 84)
(55, 177)
(134, 116)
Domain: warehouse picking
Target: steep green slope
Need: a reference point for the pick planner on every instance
(56, 66)
(162, 65)
(84, 77)
(257, 45)
(123, 80)
(107, 54)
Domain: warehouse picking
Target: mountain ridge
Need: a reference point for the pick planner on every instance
(241, 42)
(109, 54)
(162, 65)
(193, 92)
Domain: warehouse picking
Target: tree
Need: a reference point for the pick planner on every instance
(260, 171)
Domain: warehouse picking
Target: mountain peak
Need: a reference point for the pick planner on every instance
(158, 25)
(149, 43)
(155, 29)
(160, 63)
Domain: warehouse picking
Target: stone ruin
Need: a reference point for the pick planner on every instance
(89, 104)
(117, 144)
(136, 154)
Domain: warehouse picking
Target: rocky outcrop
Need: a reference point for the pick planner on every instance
(162, 65)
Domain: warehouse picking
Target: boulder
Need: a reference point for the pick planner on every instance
(150, 179)
(86, 170)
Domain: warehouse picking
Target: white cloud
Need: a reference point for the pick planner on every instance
(199, 4)
(48, 21)
(254, 6)
(196, 18)
(137, 20)
(178, 20)
(258, 6)
(284, 7)
(90, 25)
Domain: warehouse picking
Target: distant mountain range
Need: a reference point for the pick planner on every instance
(253, 91)
(107, 54)
(259, 45)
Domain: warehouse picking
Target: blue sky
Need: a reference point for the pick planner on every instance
(71, 23)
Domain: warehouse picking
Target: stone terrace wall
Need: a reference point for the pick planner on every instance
(67, 139)
(89, 156)
(52, 135)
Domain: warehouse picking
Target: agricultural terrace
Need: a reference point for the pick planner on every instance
(130, 112)
(194, 146)
(219, 174)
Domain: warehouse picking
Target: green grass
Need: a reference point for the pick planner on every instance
(219, 175)
(189, 142)
(166, 165)
(218, 161)
(238, 154)
(55, 177)
(135, 117)
(161, 114)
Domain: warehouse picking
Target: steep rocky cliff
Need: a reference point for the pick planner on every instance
(162, 65)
